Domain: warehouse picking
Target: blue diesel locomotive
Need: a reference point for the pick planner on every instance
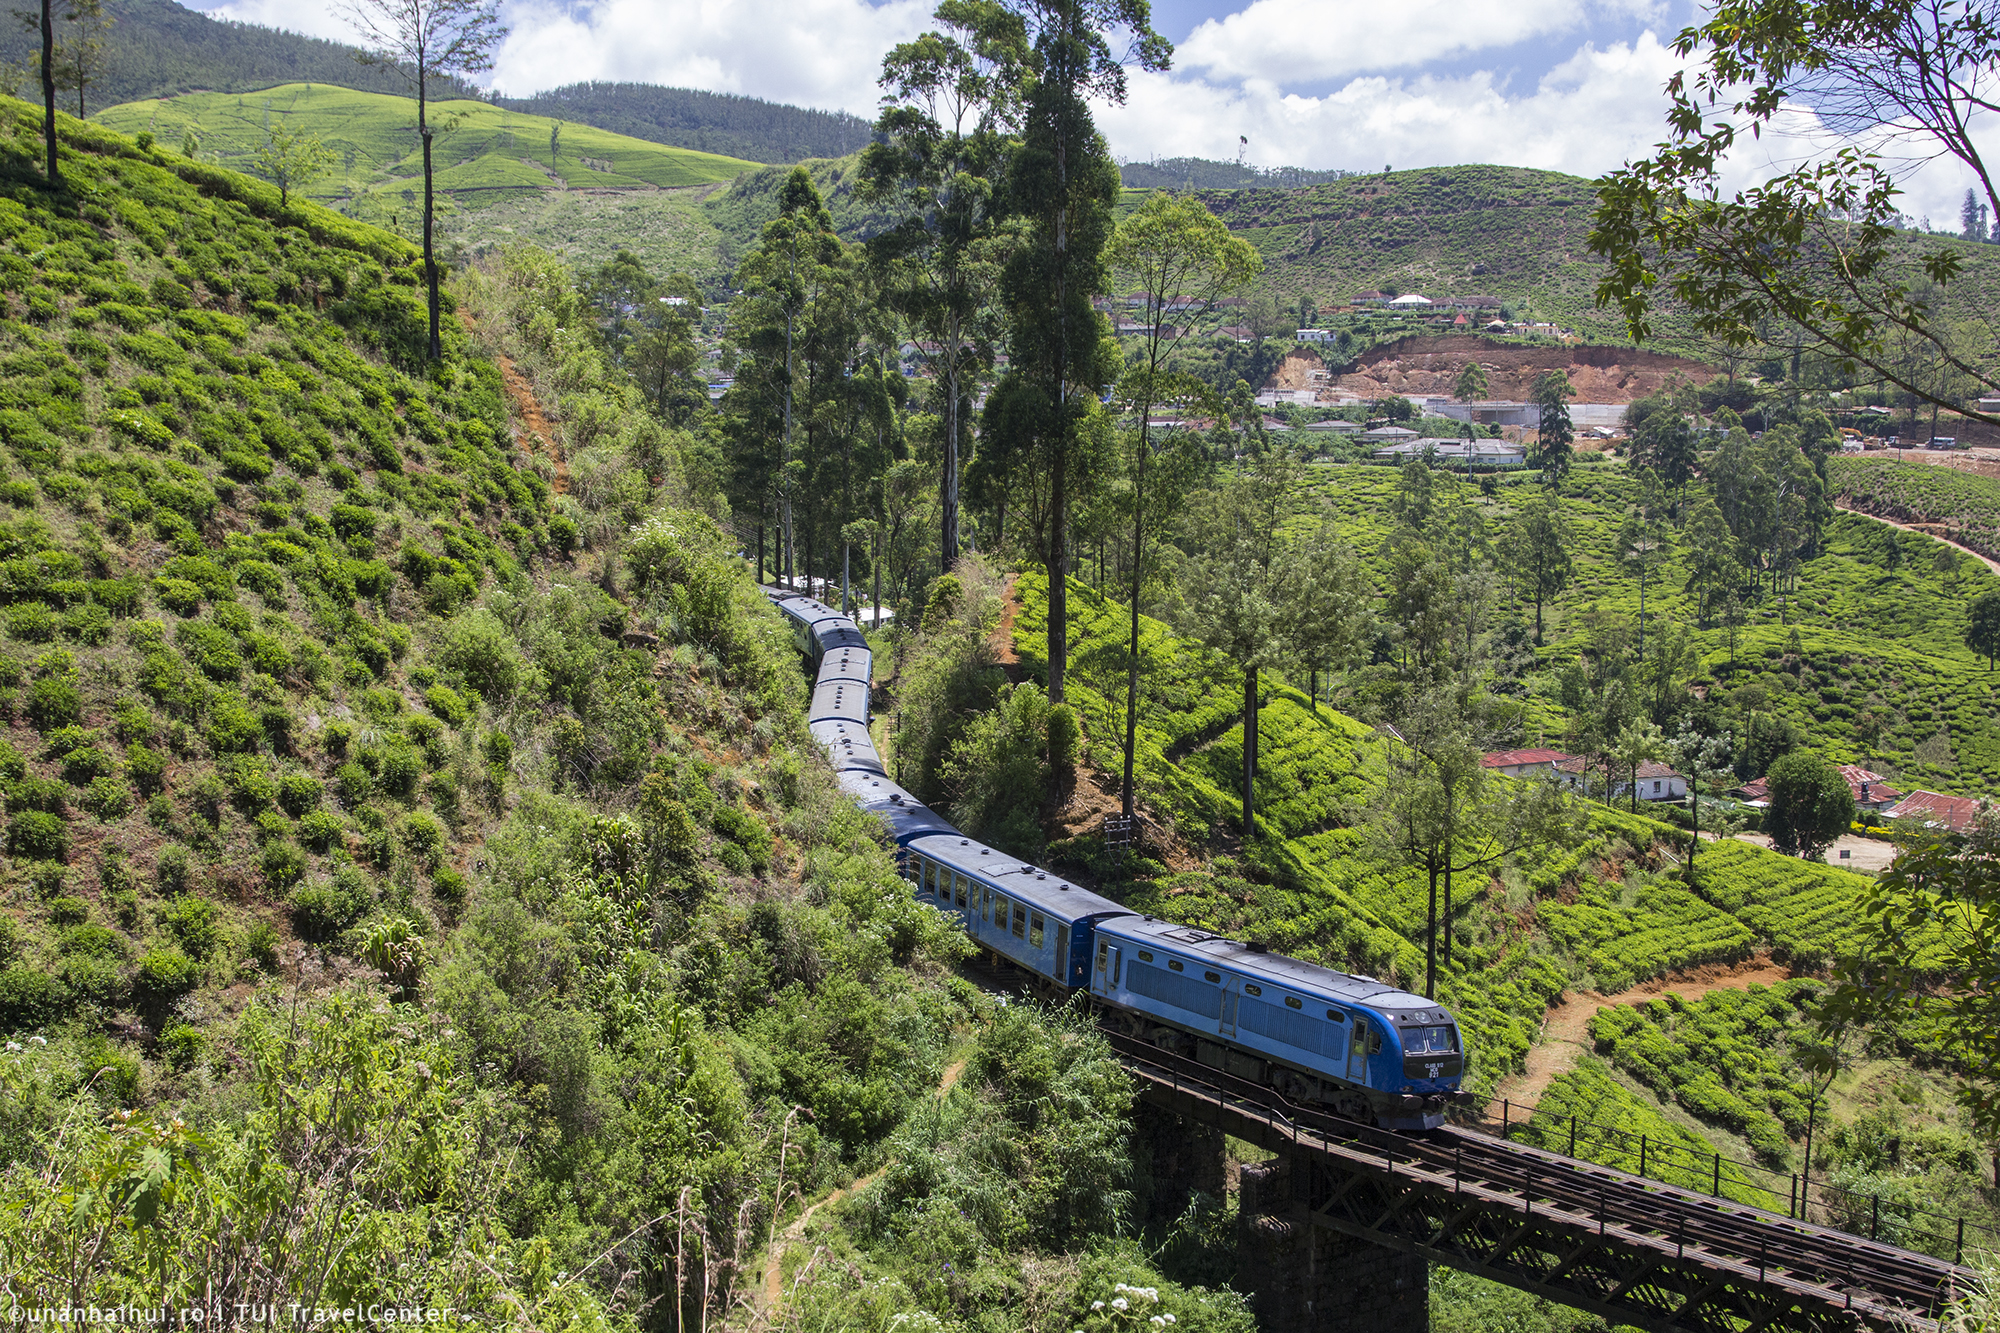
(1347, 1043)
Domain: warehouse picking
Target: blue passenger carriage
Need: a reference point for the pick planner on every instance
(1366, 1050)
(1028, 916)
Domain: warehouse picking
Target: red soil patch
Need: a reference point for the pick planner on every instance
(1426, 365)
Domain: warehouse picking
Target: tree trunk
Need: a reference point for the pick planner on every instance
(1058, 576)
(1431, 942)
(877, 562)
(845, 599)
(760, 552)
(1249, 751)
(430, 217)
(49, 89)
(1444, 922)
(948, 483)
(1128, 800)
(1538, 620)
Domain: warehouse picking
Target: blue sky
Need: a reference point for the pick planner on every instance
(1568, 85)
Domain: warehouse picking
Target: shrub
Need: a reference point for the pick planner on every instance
(191, 920)
(108, 798)
(283, 864)
(232, 727)
(178, 595)
(30, 998)
(260, 945)
(146, 767)
(171, 871)
(31, 622)
(321, 830)
(479, 647)
(321, 911)
(39, 836)
(211, 648)
(250, 783)
(425, 838)
(84, 763)
(53, 701)
(448, 886)
(68, 910)
(354, 783)
(181, 1045)
(160, 979)
(400, 770)
(448, 704)
(298, 793)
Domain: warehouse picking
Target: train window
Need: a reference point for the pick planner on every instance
(1145, 957)
(1374, 1040)
(1035, 930)
(1335, 1016)
(1253, 990)
(1176, 965)
(1292, 1003)
(963, 883)
(1213, 976)
(1020, 920)
(930, 878)
(1429, 1041)
(1101, 948)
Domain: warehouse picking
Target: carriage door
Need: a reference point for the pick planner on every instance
(1229, 998)
(1107, 968)
(1357, 1051)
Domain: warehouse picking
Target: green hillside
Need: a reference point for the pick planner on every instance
(155, 48)
(498, 180)
(480, 147)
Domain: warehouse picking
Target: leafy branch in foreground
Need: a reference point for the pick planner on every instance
(1817, 247)
(1946, 897)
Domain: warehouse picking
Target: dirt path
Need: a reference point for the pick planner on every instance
(1566, 1027)
(1924, 529)
(774, 1262)
(528, 409)
(1002, 641)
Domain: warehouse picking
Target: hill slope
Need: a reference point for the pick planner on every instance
(157, 47)
(586, 194)
(747, 127)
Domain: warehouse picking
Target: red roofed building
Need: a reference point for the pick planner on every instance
(1657, 782)
(1522, 763)
(1871, 792)
(1755, 792)
(1929, 808)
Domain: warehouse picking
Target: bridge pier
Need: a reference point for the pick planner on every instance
(1308, 1279)
(1176, 1158)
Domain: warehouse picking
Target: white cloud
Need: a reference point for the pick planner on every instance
(821, 53)
(1588, 114)
(314, 20)
(1289, 42)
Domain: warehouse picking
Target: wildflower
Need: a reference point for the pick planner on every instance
(13, 1045)
(1096, 1306)
(1157, 1322)
(1121, 1304)
(1167, 1318)
(39, 1040)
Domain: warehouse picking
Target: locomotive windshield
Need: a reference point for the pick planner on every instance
(1430, 1041)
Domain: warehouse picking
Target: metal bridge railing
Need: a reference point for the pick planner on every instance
(1891, 1221)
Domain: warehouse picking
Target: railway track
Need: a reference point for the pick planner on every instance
(1805, 1276)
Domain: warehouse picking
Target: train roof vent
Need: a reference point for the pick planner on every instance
(1258, 946)
(1191, 936)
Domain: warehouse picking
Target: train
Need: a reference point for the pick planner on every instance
(1334, 1041)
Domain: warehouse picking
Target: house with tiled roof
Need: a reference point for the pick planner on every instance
(1657, 781)
(1522, 763)
(1931, 809)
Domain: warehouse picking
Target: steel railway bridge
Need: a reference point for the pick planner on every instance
(1340, 1226)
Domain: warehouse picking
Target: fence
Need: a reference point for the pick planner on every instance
(1891, 1221)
